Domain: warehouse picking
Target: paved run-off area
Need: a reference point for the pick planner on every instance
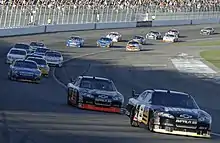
(38, 113)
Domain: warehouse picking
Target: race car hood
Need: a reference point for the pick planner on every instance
(96, 92)
(14, 56)
(25, 70)
(112, 36)
(181, 112)
(133, 45)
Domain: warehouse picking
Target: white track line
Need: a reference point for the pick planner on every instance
(67, 60)
(216, 134)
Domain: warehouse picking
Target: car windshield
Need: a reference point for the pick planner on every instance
(138, 37)
(208, 28)
(38, 61)
(170, 35)
(105, 39)
(133, 42)
(25, 64)
(154, 32)
(22, 46)
(114, 34)
(98, 84)
(53, 54)
(37, 44)
(176, 100)
(18, 52)
(75, 38)
(41, 50)
(175, 31)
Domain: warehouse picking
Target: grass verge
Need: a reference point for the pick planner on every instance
(212, 56)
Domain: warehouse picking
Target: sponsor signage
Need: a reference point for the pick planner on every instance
(194, 122)
(144, 24)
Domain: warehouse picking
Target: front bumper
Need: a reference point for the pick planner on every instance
(73, 45)
(44, 72)
(54, 63)
(100, 108)
(135, 49)
(98, 105)
(183, 133)
(168, 126)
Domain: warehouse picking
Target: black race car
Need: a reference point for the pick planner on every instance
(168, 112)
(94, 93)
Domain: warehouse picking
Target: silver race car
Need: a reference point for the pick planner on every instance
(207, 31)
(153, 35)
(140, 39)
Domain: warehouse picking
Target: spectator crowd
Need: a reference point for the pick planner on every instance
(161, 4)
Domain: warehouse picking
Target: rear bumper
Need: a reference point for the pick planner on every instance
(100, 108)
(183, 133)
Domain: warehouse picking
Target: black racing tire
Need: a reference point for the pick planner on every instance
(132, 122)
(68, 96)
(151, 124)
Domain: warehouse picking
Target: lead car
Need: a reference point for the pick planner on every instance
(169, 112)
(94, 93)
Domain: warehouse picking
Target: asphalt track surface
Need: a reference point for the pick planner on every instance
(37, 113)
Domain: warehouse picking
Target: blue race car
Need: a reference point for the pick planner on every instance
(24, 70)
(104, 42)
(75, 41)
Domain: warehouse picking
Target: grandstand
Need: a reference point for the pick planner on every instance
(17, 13)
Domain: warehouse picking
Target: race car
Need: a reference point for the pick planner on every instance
(75, 41)
(41, 51)
(133, 46)
(34, 45)
(54, 58)
(153, 35)
(169, 112)
(140, 39)
(207, 31)
(23, 46)
(170, 38)
(24, 70)
(104, 42)
(42, 65)
(33, 56)
(115, 36)
(94, 93)
(15, 54)
(174, 32)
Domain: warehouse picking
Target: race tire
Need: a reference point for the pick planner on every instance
(132, 122)
(68, 97)
(60, 65)
(37, 81)
(151, 124)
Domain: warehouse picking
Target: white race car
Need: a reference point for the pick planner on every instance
(115, 36)
(15, 54)
(207, 31)
(174, 32)
(170, 38)
(54, 58)
(133, 45)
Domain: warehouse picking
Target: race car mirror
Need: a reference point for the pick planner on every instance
(134, 94)
(72, 80)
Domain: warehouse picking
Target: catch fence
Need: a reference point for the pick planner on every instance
(29, 15)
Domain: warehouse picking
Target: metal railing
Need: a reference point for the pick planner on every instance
(29, 15)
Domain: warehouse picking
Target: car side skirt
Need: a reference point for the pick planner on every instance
(99, 108)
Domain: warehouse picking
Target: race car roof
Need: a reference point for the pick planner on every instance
(169, 91)
(94, 77)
